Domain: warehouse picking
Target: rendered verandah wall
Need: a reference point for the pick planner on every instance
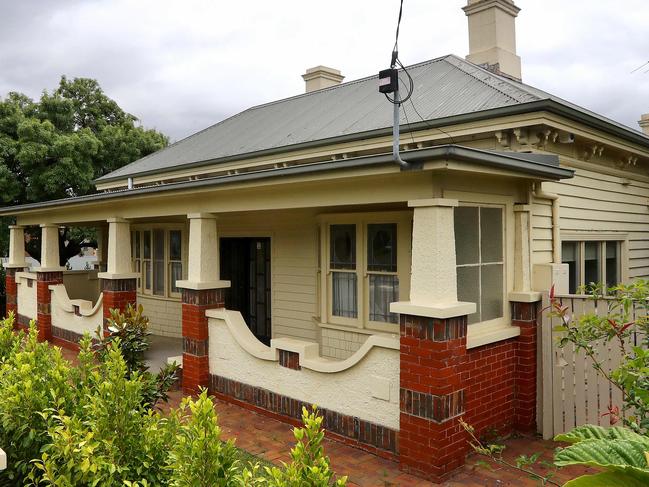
(358, 397)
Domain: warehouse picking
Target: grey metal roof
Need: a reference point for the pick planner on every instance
(445, 87)
(543, 166)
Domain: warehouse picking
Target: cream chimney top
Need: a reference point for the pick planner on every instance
(321, 77)
(492, 36)
(644, 123)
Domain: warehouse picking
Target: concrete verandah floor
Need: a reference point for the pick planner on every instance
(161, 349)
(271, 439)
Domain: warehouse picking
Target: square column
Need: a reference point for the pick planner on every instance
(49, 273)
(119, 284)
(16, 263)
(202, 290)
(433, 329)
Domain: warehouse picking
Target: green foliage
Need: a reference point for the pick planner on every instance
(55, 147)
(128, 331)
(198, 457)
(309, 466)
(89, 425)
(622, 453)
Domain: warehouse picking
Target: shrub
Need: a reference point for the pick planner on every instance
(89, 425)
(129, 330)
(309, 466)
(198, 456)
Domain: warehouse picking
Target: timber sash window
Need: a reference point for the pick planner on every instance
(158, 258)
(480, 260)
(382, 271)
(592, 263)
(344, 283)
(365, 257)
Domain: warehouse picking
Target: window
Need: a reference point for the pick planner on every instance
(158, 258)
(592, 262)
(382, 271)
(480, 260)
(364, 265)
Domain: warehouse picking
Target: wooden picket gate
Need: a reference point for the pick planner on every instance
(570, 392)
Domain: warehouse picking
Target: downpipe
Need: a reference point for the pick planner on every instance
(395, 133)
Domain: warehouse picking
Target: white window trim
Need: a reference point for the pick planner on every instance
(167, 227)
(403, 219)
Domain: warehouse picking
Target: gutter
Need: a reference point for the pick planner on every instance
(547, 104)
(532, 165)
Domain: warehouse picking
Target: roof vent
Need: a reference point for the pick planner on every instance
(321, 77)
(644, 123)
(492, 36)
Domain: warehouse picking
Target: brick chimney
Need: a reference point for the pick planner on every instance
(644, 123)
(321, 77)
(492, 36)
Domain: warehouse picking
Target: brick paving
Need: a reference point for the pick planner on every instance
(272, 440)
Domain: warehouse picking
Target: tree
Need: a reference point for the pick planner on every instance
(55, 147)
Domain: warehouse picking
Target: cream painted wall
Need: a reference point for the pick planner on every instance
(26, 298)
(165, 315)
(351, 391)
(63, 315)
(294, 263)
(597, 203)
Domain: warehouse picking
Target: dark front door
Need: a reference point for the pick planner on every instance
(245, 262)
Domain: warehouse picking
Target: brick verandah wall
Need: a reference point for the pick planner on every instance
(432, 395)
(525, 316)
(492, 387)
(196, 368)
(43, 302)
(11, 291)
(118, 293)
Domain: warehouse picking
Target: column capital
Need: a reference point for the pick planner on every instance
(16, 227)
(202, 216)
(201, 286)
(431, 202)
(117, 219)
(50, 225)
(522, 208)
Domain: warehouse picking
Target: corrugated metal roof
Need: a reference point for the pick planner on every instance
(444, 87)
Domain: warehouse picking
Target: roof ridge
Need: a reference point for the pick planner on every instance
(342, 85)
(460, 64)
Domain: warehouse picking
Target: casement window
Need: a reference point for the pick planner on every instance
(158, 258)
(479, 248)
(367, 264)
(592, 262)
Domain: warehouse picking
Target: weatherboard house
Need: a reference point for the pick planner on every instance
(298, 263)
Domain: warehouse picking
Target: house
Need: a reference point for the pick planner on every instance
(300, 264)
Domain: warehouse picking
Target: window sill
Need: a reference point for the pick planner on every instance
(479, 335)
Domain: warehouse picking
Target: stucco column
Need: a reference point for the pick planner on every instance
(433, 329)
(49, 273)
(119, 283)
(15, 264)
(202, 290)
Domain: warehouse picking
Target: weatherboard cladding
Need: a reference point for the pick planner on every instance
(444, 87)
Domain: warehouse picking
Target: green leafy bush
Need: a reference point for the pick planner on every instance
(620, 452)
(129, 330)
(309, 466)
(89, 425)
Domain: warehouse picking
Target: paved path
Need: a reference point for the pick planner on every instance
(272, 440)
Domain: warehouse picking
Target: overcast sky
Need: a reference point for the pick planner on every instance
(185, 64)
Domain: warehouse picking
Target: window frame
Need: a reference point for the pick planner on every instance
(581, 239)
(403, 221)
(505, 318)
(167, 228)
(507, 202)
